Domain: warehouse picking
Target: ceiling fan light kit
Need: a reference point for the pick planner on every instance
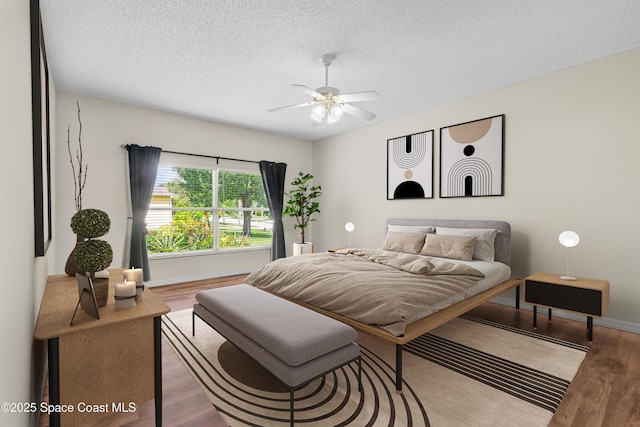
(328, 104)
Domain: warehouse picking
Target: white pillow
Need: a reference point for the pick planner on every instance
(410, 229)
(485, 242)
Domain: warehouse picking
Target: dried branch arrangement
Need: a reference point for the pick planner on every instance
(79, 174)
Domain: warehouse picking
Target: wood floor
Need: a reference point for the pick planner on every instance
(605, 391)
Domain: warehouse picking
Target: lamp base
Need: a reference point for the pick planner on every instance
(567, 278)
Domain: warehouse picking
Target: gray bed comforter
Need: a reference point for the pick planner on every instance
(373, 286)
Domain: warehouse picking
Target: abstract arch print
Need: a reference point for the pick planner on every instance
(471, 158)
(410, 166)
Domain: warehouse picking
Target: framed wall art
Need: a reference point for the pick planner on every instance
(472, 158)
(41, 148)
(410, 166)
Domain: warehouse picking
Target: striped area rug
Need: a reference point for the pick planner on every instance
(468, 372)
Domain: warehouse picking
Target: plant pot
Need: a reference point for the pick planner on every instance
(101, 289)
(70, 267)
(302, 248)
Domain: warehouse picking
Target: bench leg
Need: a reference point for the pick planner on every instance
(399, 368)
(360, 373)
(291, 406)
(193, 323)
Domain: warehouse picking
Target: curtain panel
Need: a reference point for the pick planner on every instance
(273, 175)
(143, 167)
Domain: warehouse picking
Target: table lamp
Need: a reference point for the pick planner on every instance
(349, 227)
(568, 239)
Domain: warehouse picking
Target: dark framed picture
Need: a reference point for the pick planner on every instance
(472, 158)
(410, 166)
(41, 147)
(87, 299)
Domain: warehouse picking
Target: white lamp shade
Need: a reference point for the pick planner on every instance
(317, 113)
(349, 227)
(569, 239)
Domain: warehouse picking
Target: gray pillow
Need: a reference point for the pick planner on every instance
(410, 228)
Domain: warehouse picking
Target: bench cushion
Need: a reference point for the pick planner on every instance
(292, 333)
(293, 376)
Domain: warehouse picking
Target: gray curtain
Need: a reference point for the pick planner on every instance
(273, 180)
(143, 168)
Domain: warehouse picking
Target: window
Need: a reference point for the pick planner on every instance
(207, 209)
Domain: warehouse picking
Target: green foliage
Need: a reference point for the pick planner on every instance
(90, 223)
(302, 204)
(245, 186)
(165, 239)
(233, 240)
(93, 255)
(193, 189)
(195, 227)
(192, 230)
(170, 238)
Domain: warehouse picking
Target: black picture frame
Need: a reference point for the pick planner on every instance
(410, 166)
(472, 158)
(87, 298)
(41, 135)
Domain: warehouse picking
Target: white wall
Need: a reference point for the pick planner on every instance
(107, 125)
(23, 275)
(571, 163)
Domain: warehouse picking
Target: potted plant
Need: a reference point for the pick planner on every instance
(93, 254)
(301, 206)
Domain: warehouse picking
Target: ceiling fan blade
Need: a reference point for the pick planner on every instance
(360, 96)
(358, 112)
(309, 91)
(305, 104)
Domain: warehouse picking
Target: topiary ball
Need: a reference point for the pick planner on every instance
(93, 255)
(90, 223)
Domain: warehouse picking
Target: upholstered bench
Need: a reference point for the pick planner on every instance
(295, 344)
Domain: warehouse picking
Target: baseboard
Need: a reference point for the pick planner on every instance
(606, 322)
(154, 283)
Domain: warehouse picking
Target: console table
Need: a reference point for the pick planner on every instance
(114, 362)
(583, 295)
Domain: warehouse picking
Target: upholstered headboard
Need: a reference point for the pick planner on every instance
(503, 238)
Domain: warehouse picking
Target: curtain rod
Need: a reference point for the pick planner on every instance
(218, 158)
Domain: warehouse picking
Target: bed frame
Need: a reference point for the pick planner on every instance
(422, 326)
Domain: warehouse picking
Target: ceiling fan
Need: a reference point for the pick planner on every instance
(328, 104)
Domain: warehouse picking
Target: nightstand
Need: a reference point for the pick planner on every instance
(583, 296)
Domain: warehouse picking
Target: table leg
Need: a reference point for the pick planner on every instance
(53, 350)
(535, 316)
(549, 315)
(518, 297)
(590, 327)
(157, 364)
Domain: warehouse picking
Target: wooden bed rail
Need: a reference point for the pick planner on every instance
(422, 326)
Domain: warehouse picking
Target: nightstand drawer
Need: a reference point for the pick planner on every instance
(566, 297)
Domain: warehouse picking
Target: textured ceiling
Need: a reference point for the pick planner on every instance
(231, 61)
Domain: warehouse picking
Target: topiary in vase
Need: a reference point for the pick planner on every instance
(93, 254)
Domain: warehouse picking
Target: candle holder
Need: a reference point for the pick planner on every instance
(135, 275)
(125, 295)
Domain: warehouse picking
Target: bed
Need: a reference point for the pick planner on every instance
(427, 272)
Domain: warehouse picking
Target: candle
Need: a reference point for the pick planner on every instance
(125, 294)
(135, 275)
